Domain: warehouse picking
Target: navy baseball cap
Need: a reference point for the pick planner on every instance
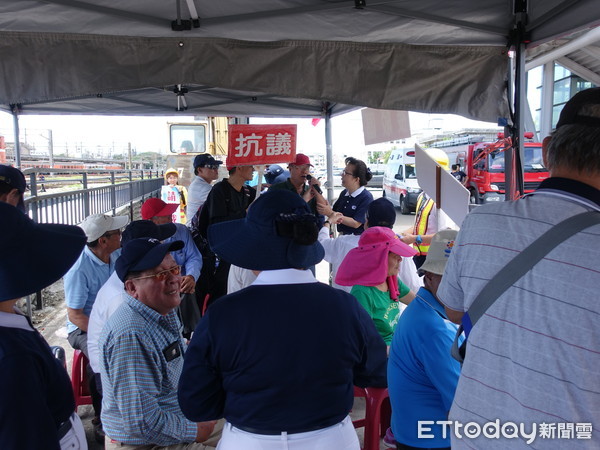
(143, 254)
(572, 112)
(204, 160)
(15, 179)
(381, 213)
(147, 229)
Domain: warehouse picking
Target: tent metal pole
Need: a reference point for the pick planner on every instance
(513, 167)
(328, 152)
(547, 99)
(520, 104)
(15, 114)
(509, 130)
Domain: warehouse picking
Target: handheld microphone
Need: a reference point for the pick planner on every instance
(316, 186)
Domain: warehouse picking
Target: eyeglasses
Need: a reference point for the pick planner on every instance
(347, 173)
(211, 166)
(161, 276)
(112, 233)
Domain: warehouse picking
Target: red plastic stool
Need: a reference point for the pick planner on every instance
(79, 379)
(378, 414)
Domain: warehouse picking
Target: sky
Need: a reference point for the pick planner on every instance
(109, 134)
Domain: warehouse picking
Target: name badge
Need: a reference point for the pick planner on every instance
(172, 351)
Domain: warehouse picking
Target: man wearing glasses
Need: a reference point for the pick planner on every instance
(299, 169)
(142, 355)
(82, 283)
(206, 169)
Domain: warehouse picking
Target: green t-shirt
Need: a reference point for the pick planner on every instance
(382, 309)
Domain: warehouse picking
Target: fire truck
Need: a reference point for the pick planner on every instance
(483, 162)
(2, 150)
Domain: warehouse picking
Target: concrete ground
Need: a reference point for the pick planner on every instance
(52, 327)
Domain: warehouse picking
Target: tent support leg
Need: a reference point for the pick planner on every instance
(328, 152)
(513, 167)
(15, 113)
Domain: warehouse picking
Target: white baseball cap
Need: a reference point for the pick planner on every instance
(98, 224)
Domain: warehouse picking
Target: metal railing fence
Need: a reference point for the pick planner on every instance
(100, 192)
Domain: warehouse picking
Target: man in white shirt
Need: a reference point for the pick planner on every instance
(206, 170)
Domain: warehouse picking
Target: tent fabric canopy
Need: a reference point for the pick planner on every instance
(261, 57)
(107, 64)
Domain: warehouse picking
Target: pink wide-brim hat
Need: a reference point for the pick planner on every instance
(367, 264)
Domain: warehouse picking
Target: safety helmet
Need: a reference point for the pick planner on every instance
(170, 171)
(440, 157)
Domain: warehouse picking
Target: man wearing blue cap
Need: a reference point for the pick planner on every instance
(206, 170)
(112, 293)
(142, 355)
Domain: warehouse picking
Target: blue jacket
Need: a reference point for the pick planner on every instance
(189, 257)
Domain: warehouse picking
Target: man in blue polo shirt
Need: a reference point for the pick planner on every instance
(422, 375)
(83, 281)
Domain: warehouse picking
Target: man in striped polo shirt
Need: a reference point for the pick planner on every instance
(532, 359)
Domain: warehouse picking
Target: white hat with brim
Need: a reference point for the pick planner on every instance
(97, 224)
(439, 251)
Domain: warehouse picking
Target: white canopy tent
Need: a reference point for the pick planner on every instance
(237, 57)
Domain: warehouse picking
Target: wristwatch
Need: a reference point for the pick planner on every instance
(418, 239)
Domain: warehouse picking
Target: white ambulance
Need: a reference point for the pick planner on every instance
(400, 184)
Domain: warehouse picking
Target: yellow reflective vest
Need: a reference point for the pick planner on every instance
(424, 207)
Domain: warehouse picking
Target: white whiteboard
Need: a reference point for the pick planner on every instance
(454, 196)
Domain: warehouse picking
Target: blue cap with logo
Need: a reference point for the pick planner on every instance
(143, 254)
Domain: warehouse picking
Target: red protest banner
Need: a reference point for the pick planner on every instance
(261, 144)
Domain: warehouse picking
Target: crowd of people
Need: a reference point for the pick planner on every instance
(218, 335)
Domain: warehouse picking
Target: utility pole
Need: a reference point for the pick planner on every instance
(129, 154)
(51, 149)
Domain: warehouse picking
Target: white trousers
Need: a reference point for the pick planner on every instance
(341, 436)
(75, 437)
